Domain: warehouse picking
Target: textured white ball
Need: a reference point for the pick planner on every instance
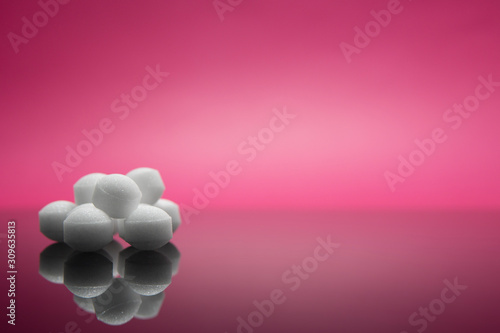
(52, 217)
(84, 187)
(88, 228)
(172, 209)
(117, 195)
(149, 182)
(148, 228)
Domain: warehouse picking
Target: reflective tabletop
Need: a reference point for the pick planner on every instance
(267, 271)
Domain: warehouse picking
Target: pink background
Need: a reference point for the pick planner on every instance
(353, 119)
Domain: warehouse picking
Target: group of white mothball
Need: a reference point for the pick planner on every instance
(130, 205)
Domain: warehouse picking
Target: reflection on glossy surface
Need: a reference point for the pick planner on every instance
(84, 303)
(52, 260)
(173, 254)
(148, 272)
(118, 304)
(88, 274)
(150, 306)
(114, 283)
(389, 265)
(113, 249)
(123, 256)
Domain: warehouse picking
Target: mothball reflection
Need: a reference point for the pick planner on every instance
(115, 284)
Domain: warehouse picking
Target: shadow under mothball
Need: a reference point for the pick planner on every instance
(115, 284)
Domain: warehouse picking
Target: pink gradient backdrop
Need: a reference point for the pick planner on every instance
(353, 120)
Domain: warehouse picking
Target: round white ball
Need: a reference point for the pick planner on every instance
(172, 209)
(117, 195)
(148, 228)
(52, 217)
(88, 228)
(149, 182)
(84, 187)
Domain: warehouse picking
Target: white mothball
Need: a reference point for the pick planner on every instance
(52, 217)
(129, 205)
(172, 209)
(117, 195)
(84, 187)
(149, 182)
(148, 228)
(88, 228)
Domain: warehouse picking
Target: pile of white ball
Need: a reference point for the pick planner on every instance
(129, 205)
